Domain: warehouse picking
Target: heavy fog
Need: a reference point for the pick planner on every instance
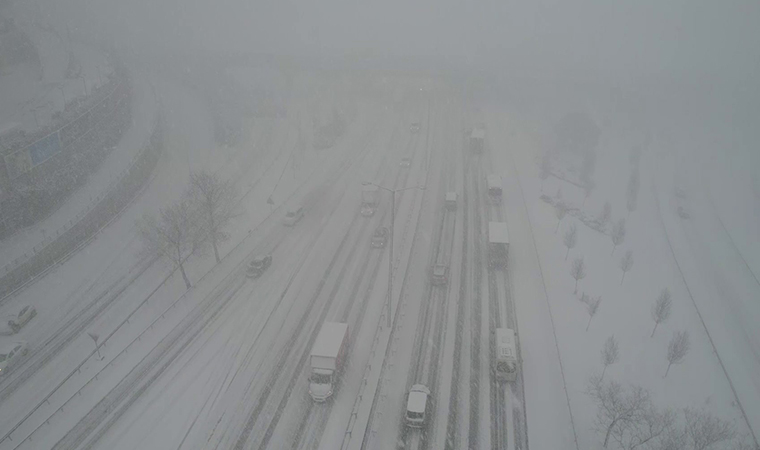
(357, 225)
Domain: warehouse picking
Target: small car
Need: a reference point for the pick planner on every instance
(293, 216)
(258, 266)
(26, 314)
(367, 210)
(10, 355)
(380, 238)
(440, 274)
(405, 162)
(417, 406)
(414, 127)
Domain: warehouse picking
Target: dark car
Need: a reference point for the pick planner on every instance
(257, 266)
(380, 238)
(414, 127)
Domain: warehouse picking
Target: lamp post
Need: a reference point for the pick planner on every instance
(84, 83)
(390, 253)
(60, 86)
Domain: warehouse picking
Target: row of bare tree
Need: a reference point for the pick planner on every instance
(628, 419)
(197, 219)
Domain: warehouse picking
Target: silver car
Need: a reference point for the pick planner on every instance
(26, 314)
(11, 353)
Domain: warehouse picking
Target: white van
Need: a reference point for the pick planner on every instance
(506, 364)
(417, 406)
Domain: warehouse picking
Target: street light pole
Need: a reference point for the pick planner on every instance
(390, 252)
(63, 95)
(390, 258)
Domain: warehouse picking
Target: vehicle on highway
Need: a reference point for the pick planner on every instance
(505, 364)
(327, 357)
(440, 274)
(293, 216)
(498, 244)
(494, 187)
(17, 322)
(417, 406)
(414, 127)
(11, 353)
(380, 238)
(405, 161)
(477, 140)
(451, 201)
(258, 266)
(370, 200)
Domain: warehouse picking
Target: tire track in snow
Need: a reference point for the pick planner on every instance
(276, 372)
(307, 419)
(83, 429)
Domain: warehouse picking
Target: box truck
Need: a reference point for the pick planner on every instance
(327, 357)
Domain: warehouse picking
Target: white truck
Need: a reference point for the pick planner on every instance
(327, 357)
(370, 199)
(505, 365)
(451, 201)
(498, 244)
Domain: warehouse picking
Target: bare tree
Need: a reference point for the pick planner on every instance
(588, 187)
(677, 349)
(626, 263)
(605, 215)
(610, 354)
(618, 234)
(560, 210)
(592, 307)
(214, 200)
(174, 236)
(616, 407)
(578, 271)
(661, 309)
(648, 429)
(702, 430)
(545, 169)
(571, 236)
(673, 439)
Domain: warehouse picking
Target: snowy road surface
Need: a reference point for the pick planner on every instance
(225, 364)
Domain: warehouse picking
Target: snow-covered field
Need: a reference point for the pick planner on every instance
(712, 288)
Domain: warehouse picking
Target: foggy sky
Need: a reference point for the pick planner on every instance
(599, 38)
